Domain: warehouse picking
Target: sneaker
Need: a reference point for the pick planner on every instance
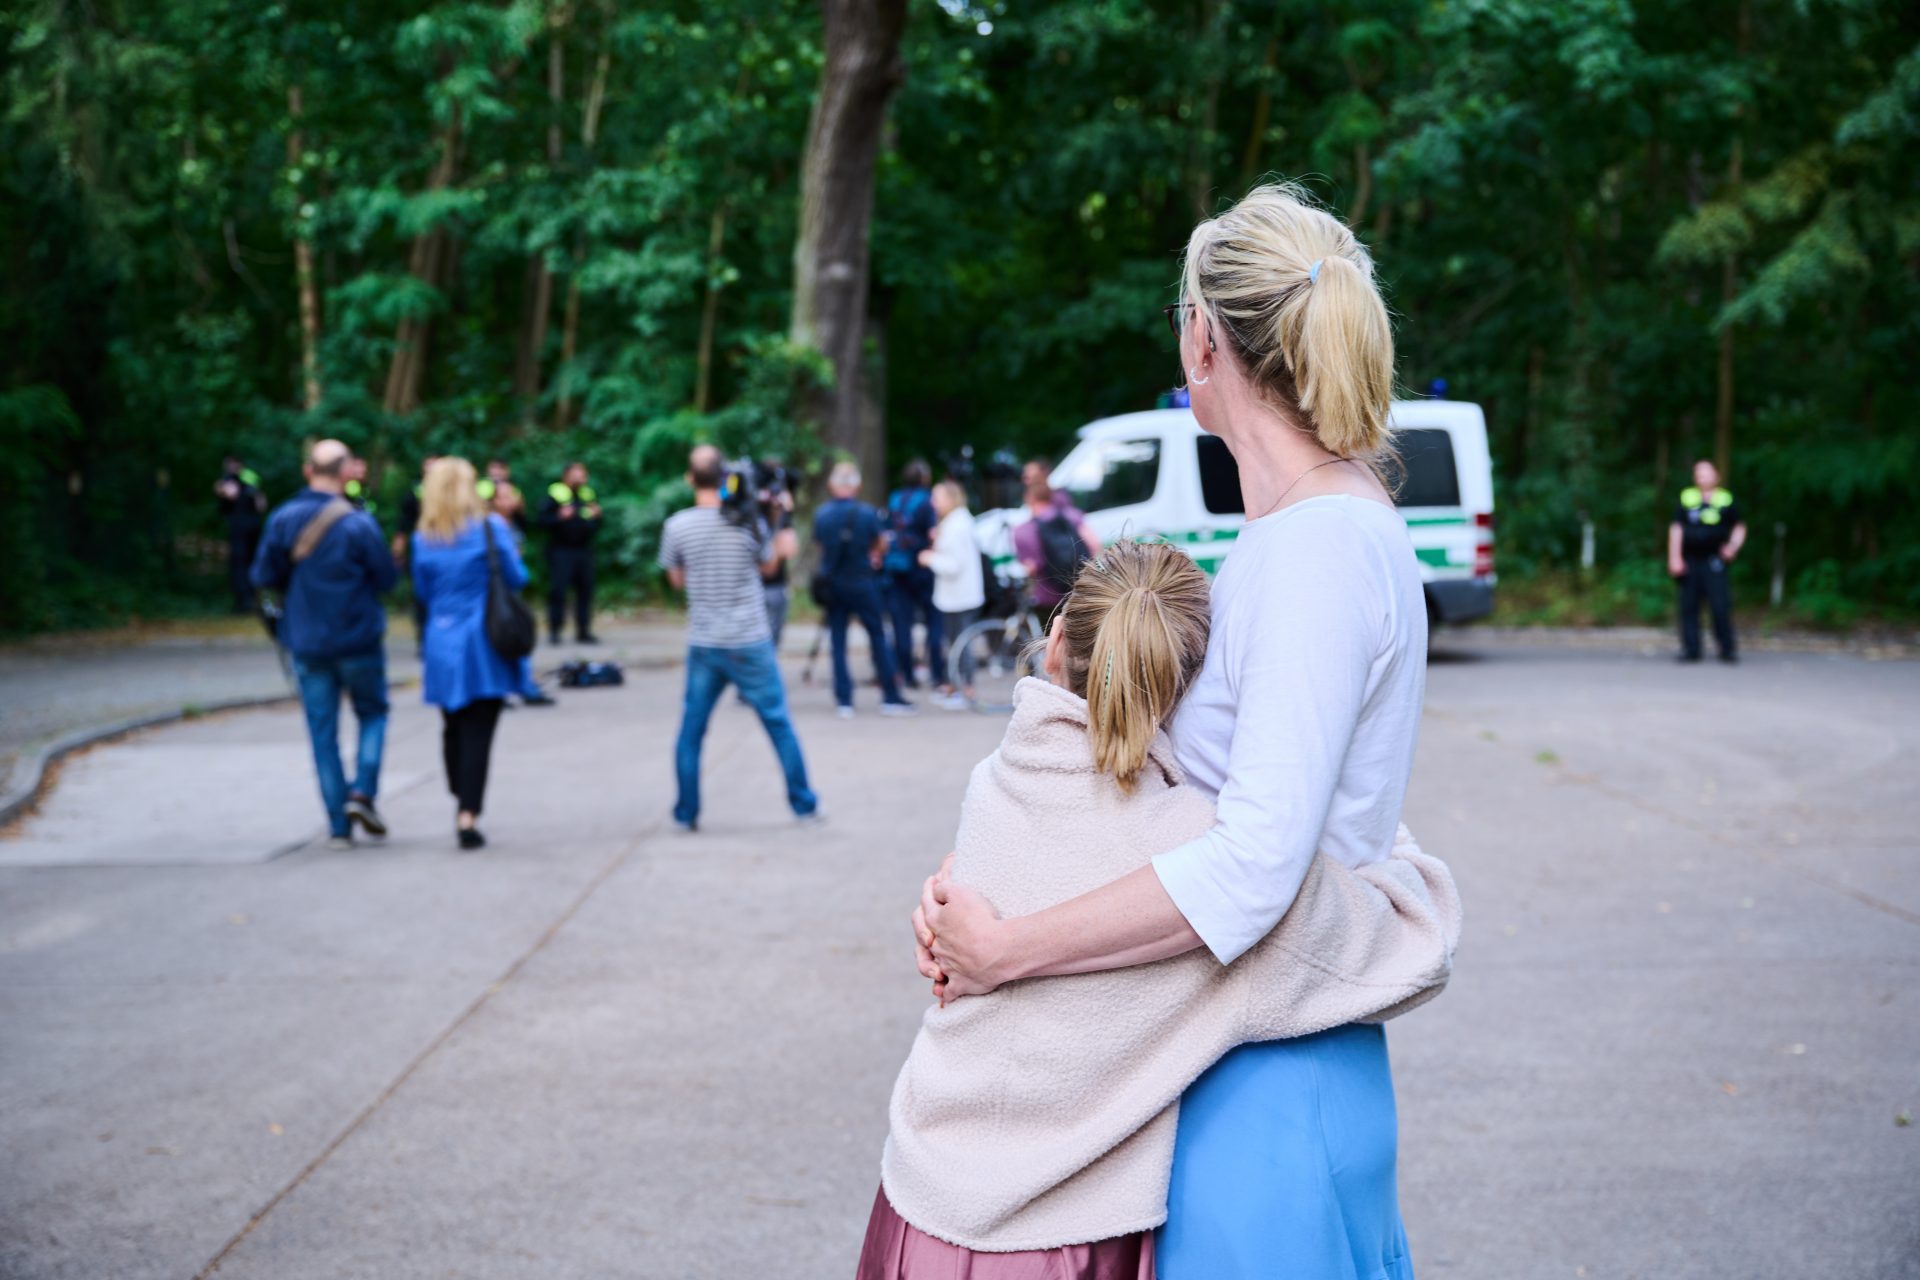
(953, 702)
(587, 638)
(538, 698)
(360, 809)
(340, 842)
(1730, 658)
(470, 839)
(898, 709)
(686, 828)
(817, 818)
(845, 713)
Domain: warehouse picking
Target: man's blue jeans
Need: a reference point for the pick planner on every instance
(757, 674)
(912, 596)
(363, 677)
(862, 602)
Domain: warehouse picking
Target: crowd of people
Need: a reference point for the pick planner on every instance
(912, 573)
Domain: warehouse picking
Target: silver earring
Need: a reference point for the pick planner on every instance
(1196, 380)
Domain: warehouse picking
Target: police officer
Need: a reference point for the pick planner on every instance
(243, 506)
(355, 488)
(502, 496)
(1708, 531)
(570, 514)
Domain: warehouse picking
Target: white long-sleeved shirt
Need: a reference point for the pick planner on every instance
(1302, 722)
(958, 584)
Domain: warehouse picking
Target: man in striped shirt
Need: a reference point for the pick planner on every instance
(722, 559)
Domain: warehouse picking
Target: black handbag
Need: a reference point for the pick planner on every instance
(510, 625)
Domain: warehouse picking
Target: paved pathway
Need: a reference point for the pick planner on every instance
(1684, 1021)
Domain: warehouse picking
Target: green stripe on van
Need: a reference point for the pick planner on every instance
(1415, 521)
(1436, 556)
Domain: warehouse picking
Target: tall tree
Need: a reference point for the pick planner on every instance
(861, 72)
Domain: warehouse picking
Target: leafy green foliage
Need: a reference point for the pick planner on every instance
(1570, 204)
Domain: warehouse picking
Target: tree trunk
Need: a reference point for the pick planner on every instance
(1362, 184)
(830, 251)
(709, 310)
(1200, 142)
(427, 263)
(303, 268)
(872, 456)
(570, 326)
(1730, 279)
(1262, 107)
(539, 292)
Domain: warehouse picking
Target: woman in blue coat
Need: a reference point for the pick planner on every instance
(464, 676)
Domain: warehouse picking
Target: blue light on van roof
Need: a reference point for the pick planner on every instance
(1437, 388)
(1175, 399)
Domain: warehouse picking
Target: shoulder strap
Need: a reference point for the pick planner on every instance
(493, 552)
(331, 513)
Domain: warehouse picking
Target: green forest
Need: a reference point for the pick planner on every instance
(1636, 231)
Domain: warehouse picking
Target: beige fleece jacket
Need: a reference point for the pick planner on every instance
(1043, 1114)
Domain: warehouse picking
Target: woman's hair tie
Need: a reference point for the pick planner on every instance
(1313, 272)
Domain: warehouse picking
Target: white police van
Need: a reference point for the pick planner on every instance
(1158, 474)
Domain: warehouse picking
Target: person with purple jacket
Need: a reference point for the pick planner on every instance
(1054, 542)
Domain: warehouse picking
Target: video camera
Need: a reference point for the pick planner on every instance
(750, 492)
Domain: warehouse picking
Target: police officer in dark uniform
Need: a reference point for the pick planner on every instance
(570, 513)
(244, 508)
(1708, 531)
(356, 490)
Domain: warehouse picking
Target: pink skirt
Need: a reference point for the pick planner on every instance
(897, 1250)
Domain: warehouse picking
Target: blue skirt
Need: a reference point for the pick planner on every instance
(1284, 1166)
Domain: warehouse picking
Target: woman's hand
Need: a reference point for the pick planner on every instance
(923, 935)
(969, 945)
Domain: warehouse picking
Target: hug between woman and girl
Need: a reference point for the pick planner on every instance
(1181, 902)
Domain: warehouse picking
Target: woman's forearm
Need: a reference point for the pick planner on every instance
(1130, 921)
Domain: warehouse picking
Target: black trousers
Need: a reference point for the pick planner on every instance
(1706, 578)
(240, 551)
(570, 568)
(466, 744)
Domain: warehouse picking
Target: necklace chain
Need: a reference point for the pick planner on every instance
(1296, 484)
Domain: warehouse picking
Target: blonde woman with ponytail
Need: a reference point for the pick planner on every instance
(1032, 1129)
(1300, 726)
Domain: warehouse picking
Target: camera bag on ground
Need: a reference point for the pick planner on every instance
(580, 674)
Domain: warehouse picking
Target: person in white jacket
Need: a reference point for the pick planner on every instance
(959, 583)
(1032, 1129)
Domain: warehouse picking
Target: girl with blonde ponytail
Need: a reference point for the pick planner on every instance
(1032, 1134)
(1300, 725)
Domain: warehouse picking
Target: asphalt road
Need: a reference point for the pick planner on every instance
(1682, 1030)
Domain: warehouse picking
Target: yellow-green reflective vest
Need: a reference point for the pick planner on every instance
(1709, 504)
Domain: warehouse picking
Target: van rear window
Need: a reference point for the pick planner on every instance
(1112, 473)
(1425, 470)
(1219, 478)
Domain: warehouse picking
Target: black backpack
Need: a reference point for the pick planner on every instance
(1062, 551)
(831, 558)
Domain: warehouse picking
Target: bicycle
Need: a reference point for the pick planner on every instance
(1006, 651)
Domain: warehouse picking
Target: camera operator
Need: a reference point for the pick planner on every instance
(721, 552)
(774, 490)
